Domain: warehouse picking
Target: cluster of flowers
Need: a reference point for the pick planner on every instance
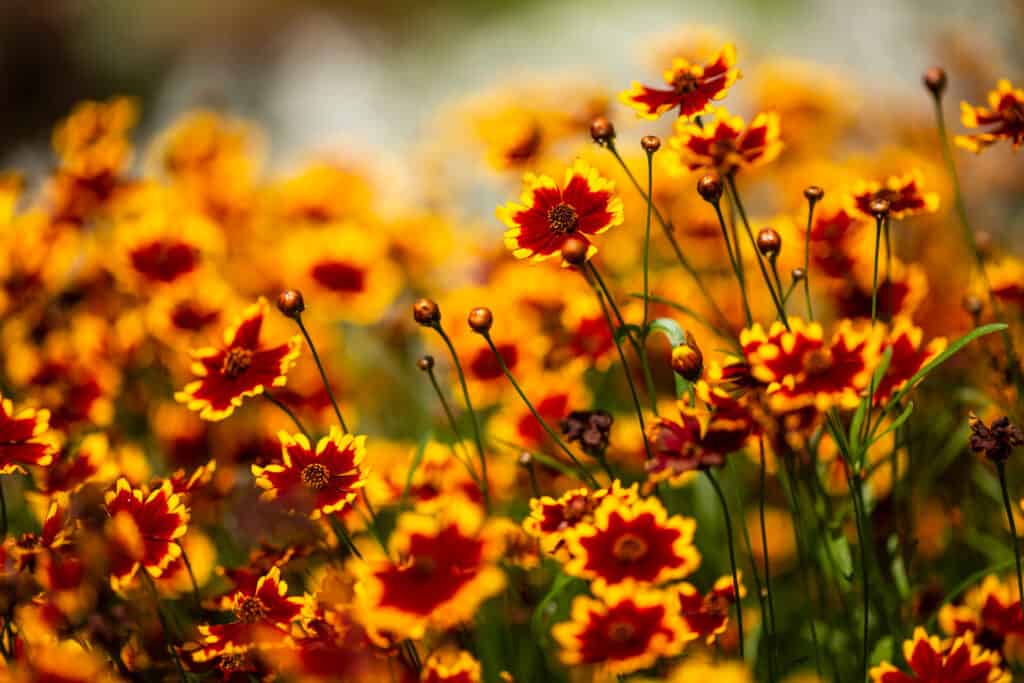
(172, 450)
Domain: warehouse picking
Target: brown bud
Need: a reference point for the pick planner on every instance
(983, 240)
(602, 130)
(575, 249)
(688, 361)
(935, 80)
(769, 242)
(290, 303)
(813, 193)
(526, 459)
(426, 363)
(710, 188)
(480, 320)
(973, 305)
(650, 143)
(798, 274)
(426, 312)
(879, 208)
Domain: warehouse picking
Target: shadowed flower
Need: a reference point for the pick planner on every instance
(692, 87)
(242, 367)
(707, 615)
(637, 542)
(990, 610)
(933, 661)
(995, 441)
(583, 206)
(24, 438)
(905, 194)
(626, 630)
(726, 145)
(1005, 113)
(315, 482)
(451, 667)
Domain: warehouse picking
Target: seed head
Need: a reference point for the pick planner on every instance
(798, 274)
(602, 130)
(769, 242)
(880, 208)
(480, 320)
(650, 143)
(710, 187)
(426, 363)
(290, 303)
(426, 312)
(935, 80)
(995, 441)
(813, 193)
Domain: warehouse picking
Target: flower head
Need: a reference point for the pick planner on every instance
(692, 87)
(1005, 113)
(143, 530)
(707, 615)
(995, 441)
(726, 145)
(319, 481)
(550, 519)
(933, 661)
(583, 206)
(241, 367)
(446, 666)
(905, 194)
(24, 438)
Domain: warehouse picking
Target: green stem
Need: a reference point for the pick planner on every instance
(734, 264)
(855, 484)
(485, 485)
(879, 221)
(587, 477)
(1001, 467)
(647, 238)
(163, 623)
(191, 574)
(888, 272)
(338, 527)
(767, 565)
(453, 424)
(323, 374)
(288, 411)
(732, 557)
(807, 259)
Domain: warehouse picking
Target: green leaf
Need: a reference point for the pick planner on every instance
(883, 651)
(864, 407)
(558, 586)
(895, 424)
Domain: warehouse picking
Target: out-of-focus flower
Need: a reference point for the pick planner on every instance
(25, 439)
(905, 194)
(909, 355)
(448, 666)
(583, 206)
(1005, 113)
(726, 145)
(990, 610)
(242, 367)
(707, 615)
(933, 661)
(692, 87)
(92, 141)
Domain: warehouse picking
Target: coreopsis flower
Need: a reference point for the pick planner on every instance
(447, 666)
(262, 616)
(637, 542)
(932, 660)
(692, 87)
(697, 669)
(315, 482)
(905, 194)
(990, 610)
(901, 294)
(241, 367)
(92, 142)
(66, 661)
(551, 518)
(143, 530)
(1005, 278)
(997, 440)
(726, 145)
(583, 206)
(707, 615)
(801, 368)
(440, 477)
(1005, 113)
(629, 628)
(25, 438)
(909, 355)
(445, 568)
(89, 461)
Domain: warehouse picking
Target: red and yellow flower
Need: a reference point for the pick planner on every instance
(707, 615)
(725, 145)
(242, 367)
(92, 142)
(692, 87)
(143, 530)
(1005, 113)
(991, 608)
(25, 438)
(629, 628)
(638, 543)
(905, 194)
(909, 355)
(316, 482)
(451, 666)
(583, 206)
(550, 518)
(932, 660)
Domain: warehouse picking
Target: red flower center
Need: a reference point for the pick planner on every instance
(315, 476)
(685, 82)
(563, 219)
(236, 361)
(817, 362)
(621, 631)
(629, 548)
(250, 610)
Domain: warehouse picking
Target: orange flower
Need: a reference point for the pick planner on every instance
(143, 530)
(905, 194)
(550, 519)
(1005, 113)
(934, 661)
(692, 87)
(451, 667)
(583, 206)
(315, 482)
(627, 630)
(92, 141)
(241, 367)
(726, 145)
(991, 608)
(24, 438)
(637, 542)
(707, 615)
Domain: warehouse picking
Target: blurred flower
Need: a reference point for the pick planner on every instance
(726, 145)
(143, 530)
(707, 616)
(448, 666)
(1005, 112)
(905, 194)
(933, 661)
(692, 87)
(24, 438)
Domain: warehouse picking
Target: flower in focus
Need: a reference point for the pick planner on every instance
(905, 194)
(550, 519)
(24, 438)
(638, 542)
(628, 629)
(447, 666)
(726, 145)
(315, 482)
(1005, 113)
(707, 615)
(692, 87)
(242, 367)
(933, 661)
(143, 530)
(583, 206)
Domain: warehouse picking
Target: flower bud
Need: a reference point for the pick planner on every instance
(813, 193)
(983, 241)
(426, 363)
(688, 361)
(798, 274)
(710, 188)
(879, 208)
(650, 143)
(935, 80)
(602, 130)
(480, 320)
(973, 305)
(574, 250)
(290, 303)
(525, 459)
(426, 312)
(769, 242)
